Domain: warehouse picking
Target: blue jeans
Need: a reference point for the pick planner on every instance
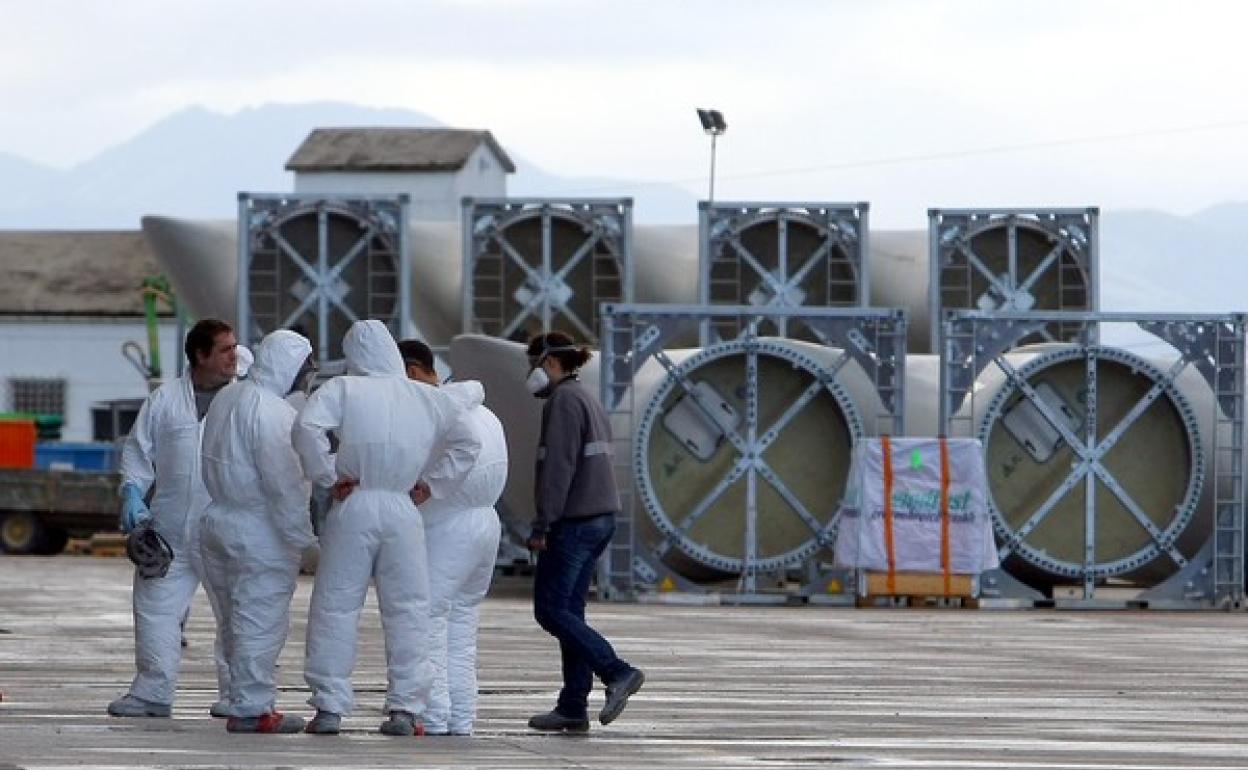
(560, 588)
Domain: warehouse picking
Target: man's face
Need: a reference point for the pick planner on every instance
(222, 362)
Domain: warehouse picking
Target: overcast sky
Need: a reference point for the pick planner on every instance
(904, 104)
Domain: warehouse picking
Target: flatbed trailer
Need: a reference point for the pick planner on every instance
(41, 509)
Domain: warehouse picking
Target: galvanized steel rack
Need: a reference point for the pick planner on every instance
(533, 265)
(874, 339)
(1021, 259)
(1210, 344)
(322, 262)
(780, 255)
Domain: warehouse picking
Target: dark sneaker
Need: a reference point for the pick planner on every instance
(555, 722)
(618, 693)
(402, 723)
(219, 710)
(324, 723)
(130, 706)
(272, 722)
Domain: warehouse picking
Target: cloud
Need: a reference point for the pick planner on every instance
(607, 89)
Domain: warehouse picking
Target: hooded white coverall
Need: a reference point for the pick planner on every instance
(245, 358)
(257, 526)
(162, 451)
(461, 534)
(392, 433)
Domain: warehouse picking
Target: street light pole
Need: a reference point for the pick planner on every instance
(713, 124)
(711, 197)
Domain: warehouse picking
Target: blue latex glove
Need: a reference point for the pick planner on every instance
(133, 510)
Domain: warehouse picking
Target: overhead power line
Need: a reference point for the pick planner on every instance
(947, 155)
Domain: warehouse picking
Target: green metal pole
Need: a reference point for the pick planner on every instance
(153, 289)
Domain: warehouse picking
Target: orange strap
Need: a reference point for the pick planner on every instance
(944, 514)
(887, 451)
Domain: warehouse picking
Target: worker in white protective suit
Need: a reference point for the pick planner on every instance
(161, 456)
(392, 433)
(257, 526)
(461, 536)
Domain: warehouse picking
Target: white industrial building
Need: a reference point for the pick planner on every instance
(435, 167)
(69, 301)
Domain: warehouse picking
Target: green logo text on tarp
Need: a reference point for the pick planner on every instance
(928, 501)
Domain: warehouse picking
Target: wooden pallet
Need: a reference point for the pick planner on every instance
(917, 589)
(107, 544)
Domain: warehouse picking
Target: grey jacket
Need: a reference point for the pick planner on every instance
(574, 476)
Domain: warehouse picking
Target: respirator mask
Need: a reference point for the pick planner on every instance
(537, 381)
(305, 378)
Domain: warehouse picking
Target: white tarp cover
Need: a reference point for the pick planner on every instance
(926, 533)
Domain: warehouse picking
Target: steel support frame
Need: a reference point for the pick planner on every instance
(1076, 230)
(607, 221)
(388, 216)
(875, 338)
(843, 225)
(1213, 344)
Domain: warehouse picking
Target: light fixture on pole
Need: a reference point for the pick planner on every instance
(713, 124)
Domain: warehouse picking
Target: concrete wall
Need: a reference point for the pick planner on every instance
(86, 353)
(435, 195)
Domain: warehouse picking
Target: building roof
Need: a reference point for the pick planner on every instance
(392, 149)
(74, 272)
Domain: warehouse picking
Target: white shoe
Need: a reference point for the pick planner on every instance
(130, 706)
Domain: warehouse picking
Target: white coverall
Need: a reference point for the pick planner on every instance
(162, 451)
(244, 358)
(258, 524)
(392, 433)
(461, 534)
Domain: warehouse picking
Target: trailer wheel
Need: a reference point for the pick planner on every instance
(20, 532)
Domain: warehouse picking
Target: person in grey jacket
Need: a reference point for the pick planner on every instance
(576, 506)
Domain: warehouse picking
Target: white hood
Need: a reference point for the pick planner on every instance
(279, 357)
(245, 360)
(371, 351)
(467, 393)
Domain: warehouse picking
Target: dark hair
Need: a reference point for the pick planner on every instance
(561, 347)
(417, 352)
(202, 336)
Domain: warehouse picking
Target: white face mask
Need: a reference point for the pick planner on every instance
(537, 381)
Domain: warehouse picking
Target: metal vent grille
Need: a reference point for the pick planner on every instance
(536, 265)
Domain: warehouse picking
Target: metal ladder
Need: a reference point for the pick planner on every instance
(958, 378)
(1228, 533)
(606, 283)
(616, 568)
(1072, 294)
(955, 293)
(383, 285)
(843, 291)
(265, 308)
(725, 328)
(487, 292)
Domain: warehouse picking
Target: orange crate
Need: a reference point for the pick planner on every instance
(17, 443)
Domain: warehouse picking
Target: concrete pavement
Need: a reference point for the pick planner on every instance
(727, 688)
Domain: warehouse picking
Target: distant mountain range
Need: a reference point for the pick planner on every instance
(1155, 261)
(194, 162)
